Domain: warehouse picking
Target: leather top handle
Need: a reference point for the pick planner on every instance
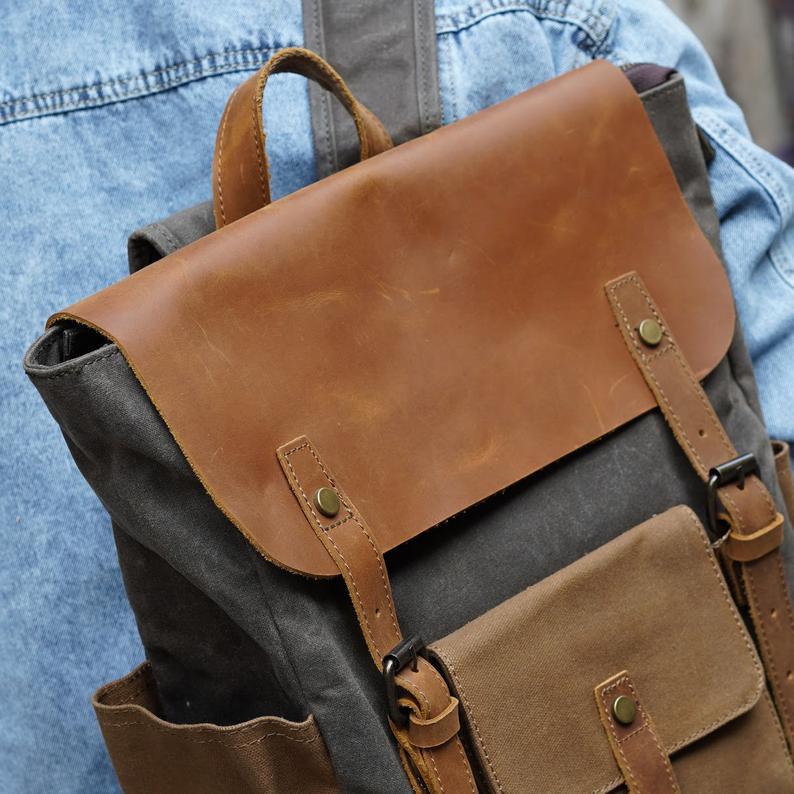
(240, 174)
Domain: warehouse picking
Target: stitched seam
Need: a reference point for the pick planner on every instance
(124, 88)
(424, 90)
(382, 571)
(217, 732)
(108, 689)
(350, 515)
(336, 547)
(184, 734)
(435, 769)
(132, 696)
(418, 693)
(748, 644)
(628, 333)
(595, 25)
(220, 154)
(738, 148)
(342, 557)
(169, 238)
(470, 713)
(684, 366)
(459, 745)
(77, 370)
(646, 726)
(259, 146)
(779, 730)
(609, 786)
(767, 646)
(325, 100)
(696, 388)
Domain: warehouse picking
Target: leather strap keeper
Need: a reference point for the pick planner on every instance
(745, 548)
(436, 730)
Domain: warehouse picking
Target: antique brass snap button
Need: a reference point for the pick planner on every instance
(326, 500)
(624, 709)
(650, 332)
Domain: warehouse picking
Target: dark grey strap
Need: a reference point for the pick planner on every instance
(386, 53)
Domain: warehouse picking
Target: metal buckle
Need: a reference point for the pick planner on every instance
(736, 470)
(393, 662)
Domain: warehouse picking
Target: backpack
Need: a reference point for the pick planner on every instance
(446, 473)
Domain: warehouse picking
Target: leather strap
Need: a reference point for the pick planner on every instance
(240, 174)
(755, 526)
(431, 738)
(645, 765)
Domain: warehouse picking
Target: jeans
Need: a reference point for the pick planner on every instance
(108, 123)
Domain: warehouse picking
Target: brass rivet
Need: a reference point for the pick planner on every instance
(650, 332)
(624, 709)
(326, 500)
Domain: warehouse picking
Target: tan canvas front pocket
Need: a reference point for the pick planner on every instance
(152, 756)
(652, 602)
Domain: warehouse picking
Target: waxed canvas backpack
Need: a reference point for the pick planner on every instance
(446, 473)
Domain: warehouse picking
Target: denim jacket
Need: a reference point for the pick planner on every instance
(107, 118)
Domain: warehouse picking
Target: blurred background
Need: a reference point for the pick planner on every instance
(752, 44)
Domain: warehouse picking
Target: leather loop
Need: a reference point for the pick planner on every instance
(436, 730)
(745, 548)
(240, 173)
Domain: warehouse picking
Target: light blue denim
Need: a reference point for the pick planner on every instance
(108, 113)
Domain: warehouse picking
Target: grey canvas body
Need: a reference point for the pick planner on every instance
(231, 636)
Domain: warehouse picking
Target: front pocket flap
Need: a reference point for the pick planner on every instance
(653, 601)
(152, 756)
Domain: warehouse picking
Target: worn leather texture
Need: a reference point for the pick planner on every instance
(152, 756)
(528, 668)
(420, 412)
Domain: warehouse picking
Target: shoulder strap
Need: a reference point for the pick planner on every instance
(387, 53)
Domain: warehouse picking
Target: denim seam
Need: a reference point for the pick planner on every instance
(783, 261)
(729, 141)
(133, 86)
(594, 18)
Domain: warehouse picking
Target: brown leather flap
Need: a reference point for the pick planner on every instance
(653, 602)
(433, 319)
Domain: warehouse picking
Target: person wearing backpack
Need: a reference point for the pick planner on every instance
(752, 194)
